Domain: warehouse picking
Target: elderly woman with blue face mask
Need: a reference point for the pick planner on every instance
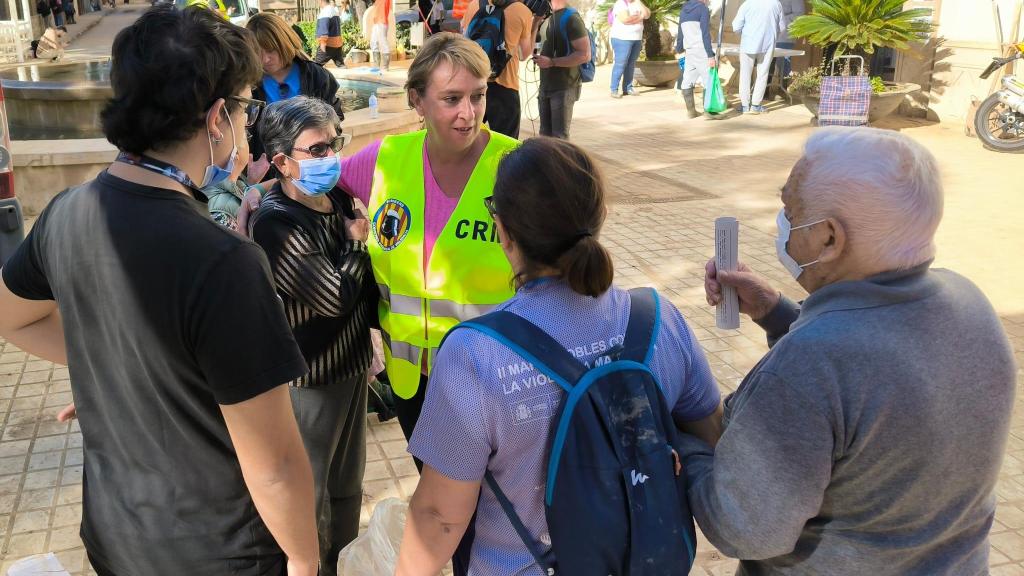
(314, 241)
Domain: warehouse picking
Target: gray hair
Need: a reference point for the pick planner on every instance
(283, 121)
(883, 186)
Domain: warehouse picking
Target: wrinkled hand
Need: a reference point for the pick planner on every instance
(257, 169)
(757, 297)
(250, 203)
(68, 413)
(357, 229)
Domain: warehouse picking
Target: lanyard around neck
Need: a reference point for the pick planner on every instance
(164, 169)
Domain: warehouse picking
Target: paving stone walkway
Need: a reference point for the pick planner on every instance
(668, 179)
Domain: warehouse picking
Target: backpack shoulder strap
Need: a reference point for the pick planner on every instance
(545, 560)
(533, 344)
(563, 25)
(642, 329)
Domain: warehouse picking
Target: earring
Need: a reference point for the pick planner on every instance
(217, 140)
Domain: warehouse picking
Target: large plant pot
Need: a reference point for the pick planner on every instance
(357, 56)
(656, 72)
(881, 104)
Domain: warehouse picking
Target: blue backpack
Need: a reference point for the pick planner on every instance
(614, 504)
(588, 69)
(487, 28)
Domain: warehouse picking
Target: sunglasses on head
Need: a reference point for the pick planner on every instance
(489, 204)
(320, 149)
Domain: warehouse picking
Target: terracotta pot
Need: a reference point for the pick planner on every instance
(881, 104)
(656, 72)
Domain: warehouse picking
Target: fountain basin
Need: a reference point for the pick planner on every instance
(64, 101)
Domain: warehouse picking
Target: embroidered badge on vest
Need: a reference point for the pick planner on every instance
(391, 224)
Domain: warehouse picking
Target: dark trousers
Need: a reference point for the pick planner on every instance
(556, 111)
(323, 56)
(408, 412)
(503, 110)
(332, 421)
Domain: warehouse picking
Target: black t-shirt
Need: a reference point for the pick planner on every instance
(166, 316)
(554, 45)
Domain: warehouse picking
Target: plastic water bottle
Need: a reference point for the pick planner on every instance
(373, 106)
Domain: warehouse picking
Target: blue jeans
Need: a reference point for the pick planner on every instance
(626, 53)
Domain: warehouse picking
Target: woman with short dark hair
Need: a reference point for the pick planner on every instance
(193, 461)
(316, 246)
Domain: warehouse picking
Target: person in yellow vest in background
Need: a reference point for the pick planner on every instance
(216, 5)
(433, 245)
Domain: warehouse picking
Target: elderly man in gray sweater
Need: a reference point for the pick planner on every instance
(868, 440)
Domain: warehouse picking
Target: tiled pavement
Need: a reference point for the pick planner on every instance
(669, 179)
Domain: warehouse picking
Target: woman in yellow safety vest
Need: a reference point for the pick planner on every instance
(433, 245)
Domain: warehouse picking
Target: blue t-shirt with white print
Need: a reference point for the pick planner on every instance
(488, 409)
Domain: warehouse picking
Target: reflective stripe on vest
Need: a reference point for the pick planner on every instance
(467, 275)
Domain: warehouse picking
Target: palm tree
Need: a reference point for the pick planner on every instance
(859, 26)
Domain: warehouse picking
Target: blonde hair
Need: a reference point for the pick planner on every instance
(273, 34)
(455, 49)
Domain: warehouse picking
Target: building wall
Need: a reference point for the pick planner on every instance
(965, 41)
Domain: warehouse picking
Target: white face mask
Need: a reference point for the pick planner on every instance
(795, 269)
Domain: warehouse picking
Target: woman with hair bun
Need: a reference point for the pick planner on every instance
(488, 410)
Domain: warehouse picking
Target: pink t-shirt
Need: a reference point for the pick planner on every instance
(357, 180)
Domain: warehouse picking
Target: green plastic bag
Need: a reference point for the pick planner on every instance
(714, 95)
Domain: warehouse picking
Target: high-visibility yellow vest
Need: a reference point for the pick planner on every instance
(467, 275)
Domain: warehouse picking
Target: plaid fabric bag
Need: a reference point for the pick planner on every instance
(845, 100)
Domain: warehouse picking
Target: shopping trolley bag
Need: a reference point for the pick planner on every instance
(845, 100)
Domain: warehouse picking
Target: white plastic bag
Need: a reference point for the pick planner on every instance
(38, 565)
(375, 551)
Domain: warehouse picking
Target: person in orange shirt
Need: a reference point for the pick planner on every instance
(380, 49)
(503, 107)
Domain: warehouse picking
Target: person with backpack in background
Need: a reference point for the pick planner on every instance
(493, 400)
(694, 38)
(565, 48)
(505, 29)
(43, 9)
(626, 33)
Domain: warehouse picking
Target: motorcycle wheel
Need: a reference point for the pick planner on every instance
(999, 128)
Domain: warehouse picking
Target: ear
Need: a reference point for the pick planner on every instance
(835, 243)
(503, 238)
(280, 161)
(416, 100)
(214, 117)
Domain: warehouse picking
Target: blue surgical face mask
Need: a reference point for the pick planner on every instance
(317, 176)
(794, 268)
(215, 174)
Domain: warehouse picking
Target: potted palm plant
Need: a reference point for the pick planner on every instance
(657, 65)
(858, 27)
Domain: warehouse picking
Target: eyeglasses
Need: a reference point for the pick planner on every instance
(252, 109)
(320, 149)
(489, 204)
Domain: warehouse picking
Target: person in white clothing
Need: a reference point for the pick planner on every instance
(791, 10)
(759, 24)
(694, 39)
(626, 34)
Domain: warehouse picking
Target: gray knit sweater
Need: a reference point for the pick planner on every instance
(869, 439)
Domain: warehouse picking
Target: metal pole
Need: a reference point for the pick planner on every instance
(721, 33)
(16, 27)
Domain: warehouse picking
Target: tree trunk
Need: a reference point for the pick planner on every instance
(652, 39)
